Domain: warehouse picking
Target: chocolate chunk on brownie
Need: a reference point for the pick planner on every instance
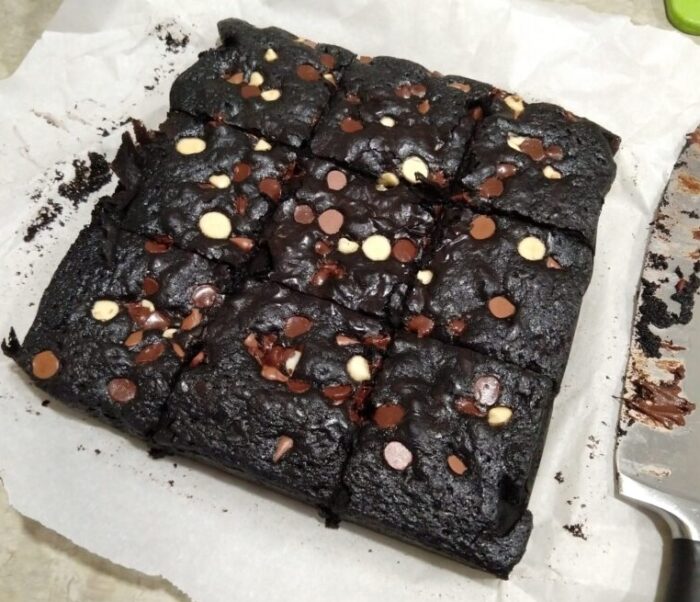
(503, 287)
(344, 237)
(283, 378)
(542, 163)
(448, 455)
(266, 81)
(117, 322)
(205, 186)
(394, 116)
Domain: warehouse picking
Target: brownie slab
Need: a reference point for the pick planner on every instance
(447, 459)
(341, 238)
(541, 163)
(117, 322)
(394, 116)
(283, 378)
(267, 81)
(503, 287)
(205, 186)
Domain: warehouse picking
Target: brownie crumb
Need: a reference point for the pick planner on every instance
(98, 452)
(45, 402)
(88, 178)
(173, 43)
(657, 261)
(44, 219)
(171, 483)
(576, 530)
(559, 477)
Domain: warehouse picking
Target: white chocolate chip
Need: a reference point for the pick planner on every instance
(515, 141)
(169, 333)
(270, 55)
(104, 310)
(425, 276)
(532, 248)
(262, 145)
(291, 363)
(215, 224)
(376, 247)
(550, 173)
(329, 78)
(190, 146)
(347, 246)
(220, 180)
(515, 104)
(256, 79)
(387, 180)
(397, 455)
(499, 415)
(358, 368)
(148, 305)
(270, 95)
(388, 122)
(413, 166)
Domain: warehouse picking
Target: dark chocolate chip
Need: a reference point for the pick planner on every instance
(296, 326)
(250, 91)
(150, 286)
(350, 125)
(388, 415)
(337, 394)
(421, 325)
(501, 307)
(482, 227)
(271, 188)
(304, 214)
(336, 179)
(404, 250)
(205, 295)
(308, 73)
(331, 221)
(241, 171)
(45, 364)
(150, 353)
(491, 187)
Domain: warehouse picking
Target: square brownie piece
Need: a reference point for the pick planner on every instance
(283, 379)
(541, 163)
(343, 237)
(117, 322)
(392, 116)
(205, 186)
(447, 458)
(504, 287)
(266, 81)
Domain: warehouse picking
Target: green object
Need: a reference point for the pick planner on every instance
(684, 15)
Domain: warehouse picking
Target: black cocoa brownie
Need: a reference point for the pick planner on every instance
(267, 81)
(541, 163)
(350, 279)
(343, 237)
(504, 287)
(284, 377)
(392, 116)
(448, 455)
(116, 324)
(205, 186)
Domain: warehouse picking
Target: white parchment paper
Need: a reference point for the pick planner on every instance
(217, 538)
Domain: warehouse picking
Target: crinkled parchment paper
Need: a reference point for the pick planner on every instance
(215, 537)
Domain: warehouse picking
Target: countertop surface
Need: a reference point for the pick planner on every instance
(36, 564)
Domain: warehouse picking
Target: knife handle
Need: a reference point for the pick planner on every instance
(684, 580)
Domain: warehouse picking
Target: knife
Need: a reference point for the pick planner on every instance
(658, 446)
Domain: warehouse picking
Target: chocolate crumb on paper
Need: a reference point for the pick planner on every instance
(576, 530)
(559, 477)
(88, 178)
(174, 39)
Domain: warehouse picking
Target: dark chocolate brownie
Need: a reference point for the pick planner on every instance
(283, 378)
(236, 298)
(117, 322)
(393, 116)
(203, 185)
(503, 287)
(541, 163)
(266, 81)
(342, 237)
(447, 458)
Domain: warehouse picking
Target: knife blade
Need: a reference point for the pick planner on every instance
(658, 447)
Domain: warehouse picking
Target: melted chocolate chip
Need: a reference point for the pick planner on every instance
(296, 326)
(404, 250)
(121, 390)
(150, 353)
(421, 325)
(241, 171)
(304, 214)
(337, 394)
(388, 415)
(308, 73)
(350, 125)
(271, 188)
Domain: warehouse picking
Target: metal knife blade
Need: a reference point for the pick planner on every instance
(658, 451)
